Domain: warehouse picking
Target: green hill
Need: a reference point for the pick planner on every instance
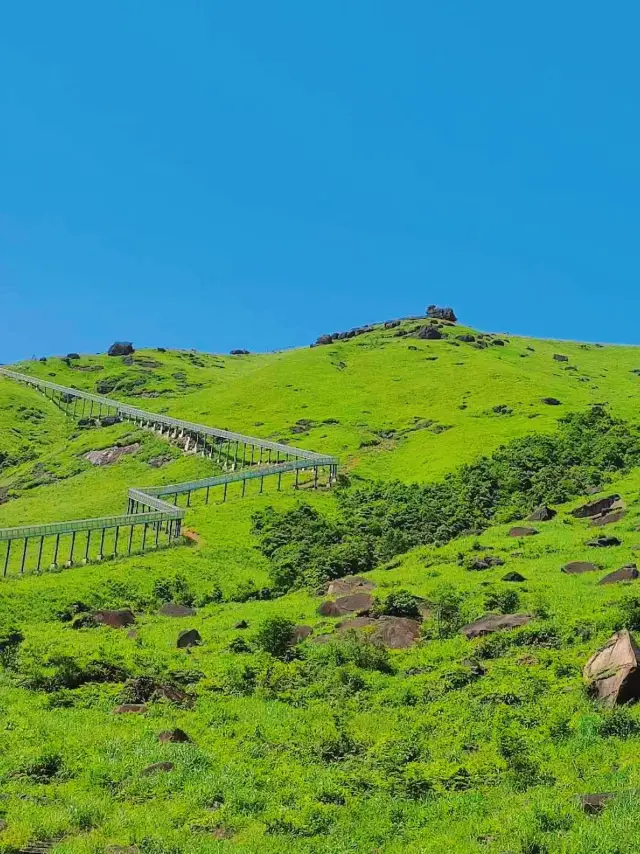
(337, 746)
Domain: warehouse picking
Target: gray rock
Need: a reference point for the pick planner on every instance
(578, 567)
(613, 672)
(121, 348)
(188, 638)
(173, 609)
(625, 573)
(495, 623)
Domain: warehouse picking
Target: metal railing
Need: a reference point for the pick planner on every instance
(146, 507)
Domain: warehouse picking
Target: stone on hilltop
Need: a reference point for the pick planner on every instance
(121, 348)
(441, 313)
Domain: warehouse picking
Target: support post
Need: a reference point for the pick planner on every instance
(115, 541)
(130, 540)
(24, 554)
(73, 542)
(55, 550)
(6, 559)
(40, 547)
(224, 496)
(86, 548)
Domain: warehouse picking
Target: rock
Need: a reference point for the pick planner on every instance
(625, 573)
(486, 562)
(495, 623)
(157, 767)
(127, 360)
(578, 567)
(498, 342)
(239, 352)
(608, 518)
(188, 638)
(541, 514)
(596, 508)
(391, 324)
(110, 455)
(324, 339)
(301, 633)
(173, 736)
(613, 672)
(520, 531)
(73, 355)
(159, 461)
(114, 619)
(358, 603)
(173, 609)
(130, 709)
(392, 632)
(243, 624)
(346, 585)
(594, 804)
(513, 576)
(429, 333)
(468, 339)
(551, 401)
(438, 313)
(110, 420)
(121, 348)
(604, 542)
(558, 357)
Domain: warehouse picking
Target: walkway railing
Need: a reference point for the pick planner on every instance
(151, 521)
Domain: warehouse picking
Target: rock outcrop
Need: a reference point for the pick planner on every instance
(439, 313)
(121, 348)
(495, 623)
(625, 573)
(613, 672)
(110, 455)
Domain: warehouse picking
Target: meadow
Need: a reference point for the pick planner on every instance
(452, 744)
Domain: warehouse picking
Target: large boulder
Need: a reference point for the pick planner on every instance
(495, 623)
(513, 576)
(429, 333)
(348, 584)
(354, 603)
(114, 619)
(551, 401)
(604, 542)
(173, 736)
(440, 313)
(121, 348)
(577, 567)
(391, 632)
(189, 638)
(596, 508)
(486, 562)
(558, 357)
(541, 514)
(173, 609)
(613, 672)
(110, 455)
(520, 531)
(625, 573)
(608, 518)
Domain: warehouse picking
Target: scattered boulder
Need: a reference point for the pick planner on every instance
(239, 352)
(348, 584)
(486, 562)
(551, 401)
(613, 672)
(391, 324)
(495, 623)
(498, 342)
(578, 567)
(429, 333)
(594, 804)
(301, 633)
(598, 507)
(467, 339)
(625, 573)
(73, 355)
(173, 609)
(439, 313)
(391, 632)
(188, 638)
(159, 461)
(110, 420)
(121, 348)
(324, 339)
(520, 531)
(513, 576)
(243, 624)
(608, 518)
(173, 736)
(541, 514)
(130, 709)
(110, 455)
(156, 768)
(604, 542)
(358, 603)
(114, 619)
(558, 357)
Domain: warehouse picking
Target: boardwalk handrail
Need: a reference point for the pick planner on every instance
(146, 506)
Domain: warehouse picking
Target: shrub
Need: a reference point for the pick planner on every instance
(276, 636)
(399, 603)
(503, 601)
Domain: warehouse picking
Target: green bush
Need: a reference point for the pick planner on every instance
(276, 636)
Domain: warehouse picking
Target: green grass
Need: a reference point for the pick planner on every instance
(427, 758)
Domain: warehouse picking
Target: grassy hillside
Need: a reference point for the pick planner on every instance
(451, 744)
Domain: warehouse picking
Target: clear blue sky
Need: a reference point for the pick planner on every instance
(252, 174)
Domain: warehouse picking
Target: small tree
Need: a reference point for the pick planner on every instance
(276, 636)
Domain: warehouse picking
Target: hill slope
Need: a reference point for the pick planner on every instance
(451, 744)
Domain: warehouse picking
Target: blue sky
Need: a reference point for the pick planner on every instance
(251, 174)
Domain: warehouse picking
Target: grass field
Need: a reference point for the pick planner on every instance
(450, 745)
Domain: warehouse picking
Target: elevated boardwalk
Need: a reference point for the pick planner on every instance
(153, 516)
